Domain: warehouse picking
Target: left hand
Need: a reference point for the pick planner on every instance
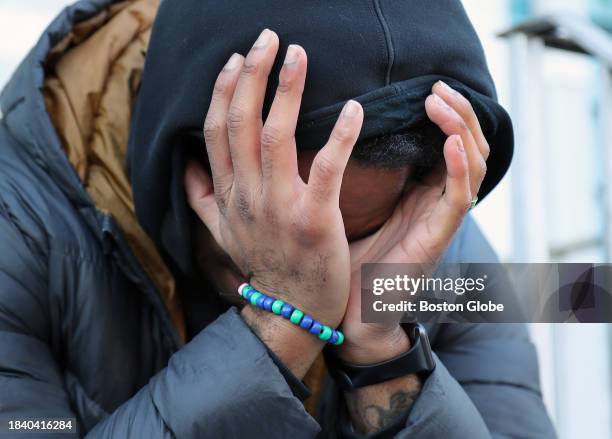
(423, 224)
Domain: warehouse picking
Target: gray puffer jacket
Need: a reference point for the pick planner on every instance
(85, 335)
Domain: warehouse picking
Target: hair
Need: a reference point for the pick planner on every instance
(420, 146)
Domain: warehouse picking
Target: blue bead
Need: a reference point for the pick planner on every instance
(260, 300)
(267, 303)
(287, 310)
(306, 322)
(334, 338)
(315, 328)
(248, 292)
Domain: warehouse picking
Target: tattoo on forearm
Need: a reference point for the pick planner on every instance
(378, 417)
(375, 409)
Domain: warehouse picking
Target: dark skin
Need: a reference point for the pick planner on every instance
(286, 220)
(365, 208)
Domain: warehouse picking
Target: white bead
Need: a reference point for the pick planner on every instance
(241, 287)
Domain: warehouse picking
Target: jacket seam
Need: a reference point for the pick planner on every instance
(9, 108)
(388, 40)
(151, 396)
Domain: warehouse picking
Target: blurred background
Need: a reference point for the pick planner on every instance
(552, 63)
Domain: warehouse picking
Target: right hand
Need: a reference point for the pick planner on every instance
(286, 236)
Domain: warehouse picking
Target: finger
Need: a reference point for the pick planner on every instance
(215, 128)
(201, 197)
(278, 152)
(451, 123)
(325, 179)
(464, 108)
(244, 117)
(456, 200)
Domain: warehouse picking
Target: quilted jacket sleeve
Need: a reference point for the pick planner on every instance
(221, 384)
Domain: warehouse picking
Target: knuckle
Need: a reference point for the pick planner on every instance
(482, 168)
(249, 68)
(465, 105)
(325, 167)
(342, 134)
(222, 189)
(478, 168)
(220, 198)
(235, 119)
(486, 149)
(221, 87)
(284, 86)
(271, 137)
(212, 129)
(320, 194)
(307, 228)
(462, 126)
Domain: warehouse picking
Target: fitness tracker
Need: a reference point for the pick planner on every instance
(418, 360)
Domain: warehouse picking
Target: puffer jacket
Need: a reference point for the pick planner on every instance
(84, 333)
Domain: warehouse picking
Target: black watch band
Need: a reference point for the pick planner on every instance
(417, 360)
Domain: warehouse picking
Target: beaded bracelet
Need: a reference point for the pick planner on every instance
(297, 317)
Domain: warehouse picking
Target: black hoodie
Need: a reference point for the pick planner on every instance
(384, 53)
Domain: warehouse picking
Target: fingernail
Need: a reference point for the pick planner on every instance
(460, 144)
(292, 54)
(233, 62)
(440, 102)
(351, 108)
(263, 39)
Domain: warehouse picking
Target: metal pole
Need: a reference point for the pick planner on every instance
(529, 164)
(605, 123)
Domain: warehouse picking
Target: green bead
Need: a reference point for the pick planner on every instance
(296, 316)
(254, 297)
(277, 306)
(326, 333)
(340, 339)
(245, 290)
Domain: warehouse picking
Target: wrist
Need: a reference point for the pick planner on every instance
(374, 346)
(294, 346)
(304, 300)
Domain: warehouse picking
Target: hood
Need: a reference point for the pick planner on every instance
(386, 54)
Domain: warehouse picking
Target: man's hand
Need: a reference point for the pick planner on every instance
(286, 236)
(423, 224)
(419, 231)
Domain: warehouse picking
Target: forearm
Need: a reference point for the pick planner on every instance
(220, 384)
(374, 407)
(294, 346)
